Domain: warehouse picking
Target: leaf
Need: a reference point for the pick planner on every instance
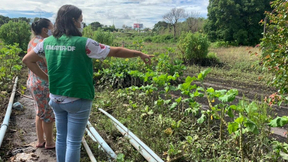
(252, 107)
(168, 131)
(179, 123)
(173, 105)
(239, 120)
(120, 158)
(167, 101)
(230, 112)
(200, 89)
(251, 126)
(229, 96)
(189, 79)
(201, 119)
(284, 155)
(189, 139)
(232, 127)
(203, 74)
(279, 121)
(210, 90)
(150, 112)
(178, 100)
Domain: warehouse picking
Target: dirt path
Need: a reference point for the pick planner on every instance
(24, 139)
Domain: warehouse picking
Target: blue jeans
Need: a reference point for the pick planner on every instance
(71, 119)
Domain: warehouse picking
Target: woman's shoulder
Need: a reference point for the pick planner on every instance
(37, 39)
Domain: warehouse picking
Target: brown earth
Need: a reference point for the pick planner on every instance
(23, 136)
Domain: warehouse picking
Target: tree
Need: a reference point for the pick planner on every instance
(173, 17)
(194, 23)
(28, 20)
(274, 45)
(160, 25)
(16, 32)
(4, 19)
(96, 25)
(146, 29)
(236, 21)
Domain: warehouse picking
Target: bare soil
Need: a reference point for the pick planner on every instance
(22, 136)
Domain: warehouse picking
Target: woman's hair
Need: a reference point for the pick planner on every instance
(37, 26)
(64, 22)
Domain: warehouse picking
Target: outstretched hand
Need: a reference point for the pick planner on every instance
(146, 58)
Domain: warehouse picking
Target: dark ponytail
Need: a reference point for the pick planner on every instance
(38, 25)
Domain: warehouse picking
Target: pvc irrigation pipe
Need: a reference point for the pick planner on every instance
(146, 152)
(101, 141)
(90, 135)
(88, 150)
(8, 113)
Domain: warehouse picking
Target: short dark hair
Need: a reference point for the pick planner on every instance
(37, 26)
(64, 21)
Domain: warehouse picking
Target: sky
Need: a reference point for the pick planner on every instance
(107, 12)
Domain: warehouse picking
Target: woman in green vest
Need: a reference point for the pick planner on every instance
(70, 72)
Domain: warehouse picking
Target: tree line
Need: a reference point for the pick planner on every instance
(233, 21)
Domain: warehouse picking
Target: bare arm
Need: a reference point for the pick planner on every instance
(127, 53)
(30, 60)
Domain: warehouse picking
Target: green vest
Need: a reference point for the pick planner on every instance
(70, 70)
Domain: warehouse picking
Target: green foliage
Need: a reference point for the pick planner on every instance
(219, 44)
(10, 65)
(173, 118)
(3, 20)
(160, 25)
(194, 46)
(88, 32)
(95, 25)
(165, 38)
(279, 121)
(274, 45)
(16, 32)
(236, 21)
(120, 73)
(103, 37)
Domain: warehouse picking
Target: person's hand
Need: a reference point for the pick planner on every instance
(146, 58)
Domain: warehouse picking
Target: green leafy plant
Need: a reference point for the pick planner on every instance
(274, 53)
(11, 64)
(193, 46)
(102, 37)
(16, 32)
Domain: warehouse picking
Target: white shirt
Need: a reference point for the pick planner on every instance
(93, 50)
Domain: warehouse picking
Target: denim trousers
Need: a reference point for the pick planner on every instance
(71, 119)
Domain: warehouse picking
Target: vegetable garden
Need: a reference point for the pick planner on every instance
(197, 101)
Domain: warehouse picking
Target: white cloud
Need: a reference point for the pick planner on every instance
(106, 12)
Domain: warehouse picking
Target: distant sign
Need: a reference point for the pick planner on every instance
(137, 25)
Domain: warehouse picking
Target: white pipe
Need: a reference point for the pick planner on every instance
(88, 150)
(90, 135)
(8, 113)
(147, 153)
(101, 141)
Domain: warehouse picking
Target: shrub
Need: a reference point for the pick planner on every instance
(167, 38)
(147, 39)
(10, 65)
(88, 32)
(219, 44)
(194, 47)
(103, 37)
(16, 32)
(274, 45)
